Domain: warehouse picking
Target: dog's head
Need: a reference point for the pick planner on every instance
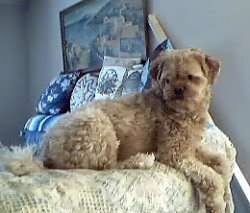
(184, 78)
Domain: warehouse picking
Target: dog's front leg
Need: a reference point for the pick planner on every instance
(138, 161)
(207, 181)
(214, 160)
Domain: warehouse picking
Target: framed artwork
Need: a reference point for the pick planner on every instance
(91, 29)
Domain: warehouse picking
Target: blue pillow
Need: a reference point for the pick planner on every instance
(37, 126)
(146, 73)
(56, 98)
(41, 123)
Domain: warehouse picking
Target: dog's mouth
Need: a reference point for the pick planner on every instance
(181, 103)
(178, 97)
(181, 100)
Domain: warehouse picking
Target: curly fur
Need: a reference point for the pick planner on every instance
(167, 120)
(19, 160)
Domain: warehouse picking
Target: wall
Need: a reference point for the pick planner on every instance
(221, 28)
(14, 72)
(45, 55)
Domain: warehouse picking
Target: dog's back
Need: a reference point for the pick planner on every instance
(116, 129)
(134, 119)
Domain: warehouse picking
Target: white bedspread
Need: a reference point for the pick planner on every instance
(158, 190)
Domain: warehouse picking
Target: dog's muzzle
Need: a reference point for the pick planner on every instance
(179, 93)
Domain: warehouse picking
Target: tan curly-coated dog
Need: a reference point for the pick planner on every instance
(168, 120)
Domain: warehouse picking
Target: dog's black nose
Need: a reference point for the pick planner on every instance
(179, 91)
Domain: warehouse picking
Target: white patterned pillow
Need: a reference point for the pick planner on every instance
(118, 77)
(84, 91)
(117, 81)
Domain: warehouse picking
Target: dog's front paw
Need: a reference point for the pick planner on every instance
(217, 161)
(218, 207)
(138, 161)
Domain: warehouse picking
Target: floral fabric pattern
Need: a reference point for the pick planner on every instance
(55, 99)
(117, 81)
(119, 76)
(84, 91)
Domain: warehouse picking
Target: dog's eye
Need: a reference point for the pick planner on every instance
(190, 77)
(167, 81)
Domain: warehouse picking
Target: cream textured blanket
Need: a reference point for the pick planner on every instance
(158, 190)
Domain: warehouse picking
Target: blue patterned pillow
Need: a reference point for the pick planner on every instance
(146, 77)
(56, 98)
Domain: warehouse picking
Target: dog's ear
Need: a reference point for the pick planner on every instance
(213, 65)
(210, 64)
(157, 66)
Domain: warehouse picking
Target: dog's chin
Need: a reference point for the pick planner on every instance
(182, 104)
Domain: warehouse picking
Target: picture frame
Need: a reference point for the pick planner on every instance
(91, 29)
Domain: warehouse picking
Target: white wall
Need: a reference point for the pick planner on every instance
(221, 28)
(45, 55)
(13, 72)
